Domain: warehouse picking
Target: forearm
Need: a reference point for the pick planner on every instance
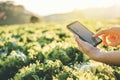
(112, 57)
(94, 53)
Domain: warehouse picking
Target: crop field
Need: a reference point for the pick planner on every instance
(48, 51)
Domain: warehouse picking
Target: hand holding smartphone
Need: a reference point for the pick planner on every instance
(84, 34)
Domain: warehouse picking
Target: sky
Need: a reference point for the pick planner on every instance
(47, 7)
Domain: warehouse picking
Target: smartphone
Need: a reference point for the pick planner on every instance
(84, 33)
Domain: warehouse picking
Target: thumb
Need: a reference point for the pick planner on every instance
(114, 44)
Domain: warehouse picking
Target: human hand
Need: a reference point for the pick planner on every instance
(109, 57)
(87, 48)
(110, 37)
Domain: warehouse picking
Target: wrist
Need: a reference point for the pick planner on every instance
(95, 54)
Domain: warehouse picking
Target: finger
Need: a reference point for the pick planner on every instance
(81, 44)
(85, 47)
(78, 42)
(114, 44)
(104, 39)
(113, 37)
(76, 36)
(99, 33)
(78, 39)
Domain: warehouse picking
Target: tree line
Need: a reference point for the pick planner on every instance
(15, 14)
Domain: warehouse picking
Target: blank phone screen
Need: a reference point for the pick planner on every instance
(83, 33)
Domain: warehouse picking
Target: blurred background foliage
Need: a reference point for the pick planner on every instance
(42, 48)
(16, 14)
(11, 13)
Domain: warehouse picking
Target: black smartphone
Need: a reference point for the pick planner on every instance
(84, 33)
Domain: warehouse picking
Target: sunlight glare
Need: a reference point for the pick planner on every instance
(45, 7)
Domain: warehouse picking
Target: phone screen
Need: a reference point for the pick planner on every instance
(83, 33)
